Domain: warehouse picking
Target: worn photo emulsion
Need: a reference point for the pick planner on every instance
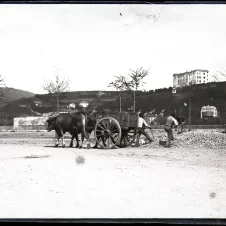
(114, 111)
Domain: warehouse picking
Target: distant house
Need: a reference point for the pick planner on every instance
(23, 105)
(64, 110)
(38, 103)
(72, 105)
(174, 90)
(84, 104)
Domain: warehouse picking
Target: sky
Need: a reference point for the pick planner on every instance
(90, 44)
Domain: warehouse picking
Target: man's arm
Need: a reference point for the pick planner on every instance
(146, 125)
(175, 122)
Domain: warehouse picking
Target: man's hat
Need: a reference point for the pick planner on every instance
(141, 114)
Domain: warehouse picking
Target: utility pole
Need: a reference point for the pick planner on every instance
(189, 113)
(120, 103)
(134, 102)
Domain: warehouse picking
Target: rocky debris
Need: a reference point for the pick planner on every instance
(193, 139)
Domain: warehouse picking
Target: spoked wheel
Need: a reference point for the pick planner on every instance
(107, 132)
(127, 138)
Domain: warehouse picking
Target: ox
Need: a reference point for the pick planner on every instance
(72, 123)
(89, 127)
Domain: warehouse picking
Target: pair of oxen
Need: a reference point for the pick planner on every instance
(75, 123)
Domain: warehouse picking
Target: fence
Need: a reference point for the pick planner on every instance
(32, 127)
(5, 128)
(23, 128)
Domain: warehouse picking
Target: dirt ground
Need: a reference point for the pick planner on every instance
(40, 181)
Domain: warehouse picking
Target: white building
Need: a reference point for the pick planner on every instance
(195, 77)
(72, 105)
(208, 111)
(84, 104)
(29, 121)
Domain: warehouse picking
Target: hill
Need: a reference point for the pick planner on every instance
(160, 102)
(164, 101)
(11, 94)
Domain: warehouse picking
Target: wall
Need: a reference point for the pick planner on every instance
(29, 122)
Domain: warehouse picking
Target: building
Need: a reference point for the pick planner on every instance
(84, 104)
(30, 123)
(209, 112)
(38, 103)
(72, 105)
(197, 76)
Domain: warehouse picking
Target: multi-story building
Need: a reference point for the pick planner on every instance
(197, 76)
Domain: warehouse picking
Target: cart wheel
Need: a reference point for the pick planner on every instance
(128, 137)
(107, 132)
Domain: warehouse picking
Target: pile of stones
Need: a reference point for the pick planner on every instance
(193, 139)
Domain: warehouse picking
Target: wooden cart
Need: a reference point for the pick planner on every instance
(116, 129)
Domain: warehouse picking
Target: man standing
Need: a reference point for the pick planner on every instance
(142, 125)
(181, 121)
(170, 122)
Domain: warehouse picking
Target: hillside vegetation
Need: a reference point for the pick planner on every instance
(11, 94)
(158, 102)
(213, 94)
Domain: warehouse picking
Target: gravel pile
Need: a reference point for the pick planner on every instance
(193, 139)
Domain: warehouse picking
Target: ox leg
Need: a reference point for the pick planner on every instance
(86, 135)
(63, 142)
(77, 140)
(82, 139)
(61, 135)
(57, 140)
(71, 143)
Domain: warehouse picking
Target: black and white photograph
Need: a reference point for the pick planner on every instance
(112, 111)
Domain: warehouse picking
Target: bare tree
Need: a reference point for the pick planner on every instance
(2, 90)
(119, 85)
(56, 87)
(135, 81)
(218, 75)
(131, 83)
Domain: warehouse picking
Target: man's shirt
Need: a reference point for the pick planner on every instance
(170, 120)
(175, 121)
(141, 121)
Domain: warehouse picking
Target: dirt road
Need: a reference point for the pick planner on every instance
(45, 182)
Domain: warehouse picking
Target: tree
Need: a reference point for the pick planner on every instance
(119, 85)
(2, 90)
(135, 81)
(56, 88)
(131, 83)
(219, 75)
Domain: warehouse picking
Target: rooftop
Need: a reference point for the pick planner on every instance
(188, 72)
